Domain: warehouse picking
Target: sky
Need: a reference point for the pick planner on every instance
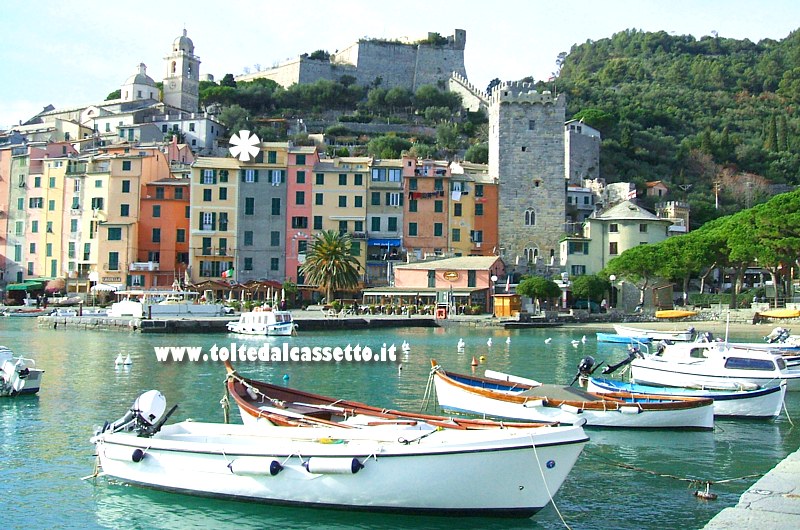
(77, 52)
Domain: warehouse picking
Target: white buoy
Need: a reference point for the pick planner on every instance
(508, 340)
(128, 360)
(461, 345)
(118, 361)
(548, 340)
(406, 347)
(575, 343)
(583, 339)
(489, 342)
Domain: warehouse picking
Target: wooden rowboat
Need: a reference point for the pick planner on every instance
(496, 398)
(262, 402)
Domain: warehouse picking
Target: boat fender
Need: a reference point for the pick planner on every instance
(254, 466)
(629, 409)
(252, 393)
(123, 454)
(333, 466)
(571, 408)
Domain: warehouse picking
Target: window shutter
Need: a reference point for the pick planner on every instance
(255, 175)
(241, 174)
(388, 198)
(214, 176)
(214, 221)
(200, 224)
(283, 176)
(401, 199)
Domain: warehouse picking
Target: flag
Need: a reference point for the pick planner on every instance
(228, 273)
(508, 284)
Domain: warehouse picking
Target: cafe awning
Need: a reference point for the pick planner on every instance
(104, 287)
(384, 242)
(29, 285)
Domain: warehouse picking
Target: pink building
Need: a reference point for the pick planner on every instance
(299, 207)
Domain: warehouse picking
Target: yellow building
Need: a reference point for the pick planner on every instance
(102, 207)
(212, 223)
(339, 195)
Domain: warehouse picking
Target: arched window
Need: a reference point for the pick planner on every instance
(173, 67)
(530, 217)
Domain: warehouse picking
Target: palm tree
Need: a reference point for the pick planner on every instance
(329, 263)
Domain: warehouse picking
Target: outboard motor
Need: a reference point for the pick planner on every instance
(633, 353)
(585, 368)
(146, 415)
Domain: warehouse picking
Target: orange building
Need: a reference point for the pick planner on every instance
(426, 225)
(163, 250)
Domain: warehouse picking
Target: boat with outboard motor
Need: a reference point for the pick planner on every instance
(757, 403)
(516, 398)
(18, 375)
(715, 364)
(264, 321)
(385, 469)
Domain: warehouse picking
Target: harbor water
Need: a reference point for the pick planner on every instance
(623, 480)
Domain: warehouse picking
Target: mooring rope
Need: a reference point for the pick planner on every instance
(546, 488)
(430, 388)
(691, 481)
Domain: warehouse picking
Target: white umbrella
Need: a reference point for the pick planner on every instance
(283, 295)
(104, 287)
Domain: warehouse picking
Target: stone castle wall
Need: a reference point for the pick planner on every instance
(472, 98)
(526, 154)
(397, 64)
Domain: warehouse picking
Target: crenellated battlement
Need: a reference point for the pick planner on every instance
(469, 86)
(520, 92)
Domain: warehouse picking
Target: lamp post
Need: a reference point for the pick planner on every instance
(493, 279)
(612, 279)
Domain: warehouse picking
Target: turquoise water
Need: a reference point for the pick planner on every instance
(45, 449)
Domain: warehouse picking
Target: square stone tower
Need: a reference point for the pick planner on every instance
(526, 155)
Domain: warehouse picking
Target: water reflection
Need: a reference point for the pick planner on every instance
(44, 447)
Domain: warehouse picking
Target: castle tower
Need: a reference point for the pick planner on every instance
(526, 154)
(181, 84)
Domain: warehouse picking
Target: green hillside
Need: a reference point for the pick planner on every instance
(700, 115)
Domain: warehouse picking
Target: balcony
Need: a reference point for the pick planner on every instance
(358, 235)
(144, 266)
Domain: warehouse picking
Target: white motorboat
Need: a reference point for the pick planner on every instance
(264, 321)
(18, 375)
(758, 403)
(718, 365)
(170, 303)
(515, 399)
(654, 334)
(433, 471)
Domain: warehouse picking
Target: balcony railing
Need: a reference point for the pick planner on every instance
(144, 266)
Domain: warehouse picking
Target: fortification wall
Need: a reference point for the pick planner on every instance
(472, 98)
(397, 64)
(393, 62)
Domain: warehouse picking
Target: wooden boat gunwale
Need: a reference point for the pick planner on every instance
(605, 402)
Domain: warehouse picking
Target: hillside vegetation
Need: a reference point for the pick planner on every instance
(700, 115)
(715, 119)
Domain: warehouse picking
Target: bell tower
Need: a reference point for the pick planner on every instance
(181, 84)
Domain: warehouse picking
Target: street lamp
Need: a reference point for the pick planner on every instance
(493, 279)
(612, 279)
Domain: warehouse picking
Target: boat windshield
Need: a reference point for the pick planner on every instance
(744, 363)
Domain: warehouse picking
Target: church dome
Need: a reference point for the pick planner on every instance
(140, 78)
(183, 44)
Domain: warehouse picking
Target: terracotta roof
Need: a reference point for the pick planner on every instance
(459, 263)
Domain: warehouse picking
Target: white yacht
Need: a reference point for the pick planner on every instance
(18, 375)
(263, 321)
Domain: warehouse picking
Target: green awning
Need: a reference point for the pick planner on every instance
(26, 286)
